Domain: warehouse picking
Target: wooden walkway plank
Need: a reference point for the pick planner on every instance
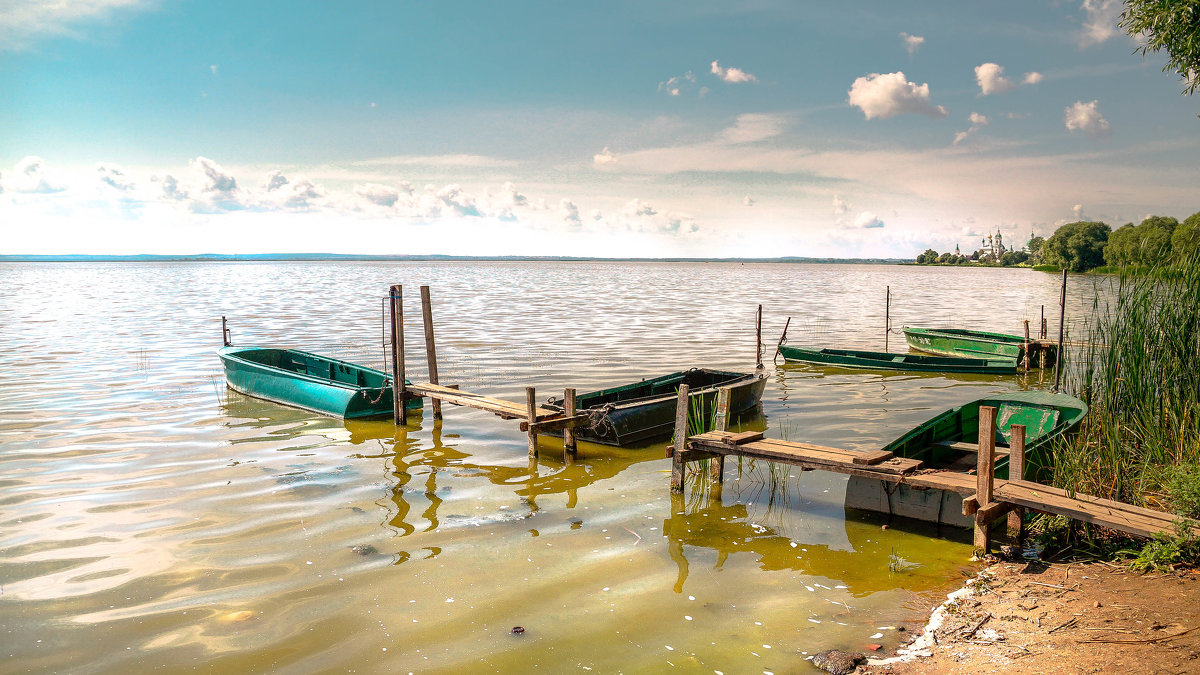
(510, 409)
(1116, 515)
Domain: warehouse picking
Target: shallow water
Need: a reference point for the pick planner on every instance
(151, 519)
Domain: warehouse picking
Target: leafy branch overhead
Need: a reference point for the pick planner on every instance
(1171, 25)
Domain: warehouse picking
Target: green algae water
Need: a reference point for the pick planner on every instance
(151, 519)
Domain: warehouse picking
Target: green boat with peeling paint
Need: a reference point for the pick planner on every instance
(976, 344)
(849, 358)
(643, 411)
(1046, 416)
(303, 380)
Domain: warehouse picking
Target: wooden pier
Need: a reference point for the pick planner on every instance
(984, 497)
(534, 420)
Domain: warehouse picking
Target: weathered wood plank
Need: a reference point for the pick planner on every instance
(569, 445)
(681, 439)
(962, 446)
(563, 423)
(1016, 471)
(509, 409)
(430, 347)
(984, 474)
(1115, 515)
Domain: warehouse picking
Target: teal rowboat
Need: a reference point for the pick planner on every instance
(950, 439)
(848, 358)
(317, 383)
(643, 411)
(977, 344)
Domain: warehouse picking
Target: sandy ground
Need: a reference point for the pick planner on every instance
(1036, 617)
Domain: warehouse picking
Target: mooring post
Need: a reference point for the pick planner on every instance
(887, 318)
(1016, 471)
(1042, 335)
(225, 333)
(985, 471)
(716, 464)
(531, 413)
(758, 340)
(681, 434)
(430, 347)
(1025, 347)
(569, 433)
(782, 337)
(1062, 316)
(396, 305)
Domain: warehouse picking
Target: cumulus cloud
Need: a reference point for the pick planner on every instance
(218, 190)
(977, 121)
(732, 75)
(569, 212)
(24, 21)
(991, 79)
(604, 157)
(113, 177)
(170, 187)
(274, 181)
(912, 42)
(31, 176)
(1100, 22)
(678, 85)
(840, 207)
(638, 207)
(216, 70)
(1086, 117)
(1033, 78)
(380, 195)
(891, 94)
(748, 200)
(867, 220)
(751, 127)
(1078, 211)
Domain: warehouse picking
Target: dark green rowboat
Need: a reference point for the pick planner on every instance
(848, 358)
(317, 383)
(947, 439)
(975, 344)
(643, 411)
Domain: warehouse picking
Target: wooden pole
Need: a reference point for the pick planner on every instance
(782, 337)
(1062, 315)
(1026, 346)
(887, 318)
(984, 474)
(225, 333)
(531, 413)
(569, 434)
(1042, 335)
(430, 347)
(1016, 471)
(758, 340)
(681, 433)
(396, 305)
(716, 465)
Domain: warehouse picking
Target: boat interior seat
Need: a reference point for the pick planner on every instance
(1038, 420)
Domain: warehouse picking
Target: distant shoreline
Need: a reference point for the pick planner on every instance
(339, 257)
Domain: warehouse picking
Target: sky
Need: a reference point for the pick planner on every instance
(643, 129)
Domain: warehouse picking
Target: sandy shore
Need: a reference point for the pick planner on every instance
(1034, 617)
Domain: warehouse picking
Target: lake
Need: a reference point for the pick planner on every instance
(151, 519)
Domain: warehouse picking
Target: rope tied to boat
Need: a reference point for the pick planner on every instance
(387, 384)
(598, 420)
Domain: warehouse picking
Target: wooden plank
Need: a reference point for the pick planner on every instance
(853, 456)
(722, 415)
(1115, 515)
(992, 511)
(834, 459)
(962, 446)
(984, 473)
(1016, 471)
(727, 438)
(569, 445)
(681, 439)
(564, 423)
(449, 394)
(430, 347)
(531, 417)
(961, 483)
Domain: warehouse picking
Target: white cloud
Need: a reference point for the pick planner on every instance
(1078, 211)
(604, 157)
(839, 207)
(638, 207)
(274, 181)
(170, 187)
(892, 94)
(380, 195)
(912, 42)
(31, 176)
(215, 69)
(751, 127)
(1101, 22)
(678, 85)
(569, 212)
(113, 177)
(1033, 78)
(24, 21)
(748, 200)
(867, 220)
(1086, 117)
(977, 121)
(732, 75)
(991, 79)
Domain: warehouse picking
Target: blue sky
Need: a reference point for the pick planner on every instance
(614, 129)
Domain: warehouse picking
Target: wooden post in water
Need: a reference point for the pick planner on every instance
(681, 434)
(430, 347)
(225, 333)
(531, 413)
(758, 340)
(1062, 316)
(887, 318)
(1042, 335)
(1025, 347)
(396, 305)
(984, 475)
(782, 338)
(1016, 471)
(716, 465)
(569, 433)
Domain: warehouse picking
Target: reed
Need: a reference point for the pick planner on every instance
(1139, 371)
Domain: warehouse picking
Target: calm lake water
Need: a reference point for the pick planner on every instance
(151, 519)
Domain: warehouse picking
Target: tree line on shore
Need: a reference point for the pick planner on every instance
(1086, 245)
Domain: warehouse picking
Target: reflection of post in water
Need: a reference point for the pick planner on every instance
(435, 501)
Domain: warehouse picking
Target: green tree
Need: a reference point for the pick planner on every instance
(1146, 244)
(1035, 246)
(946, 258)
(1185, 241)
(1077, 246)
(1011, 258)
(929, 257)
(1173, 25)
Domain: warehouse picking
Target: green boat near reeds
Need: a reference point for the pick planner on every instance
(977, 344)
(644, 411)
(849, 358)
(317, 383)
(950, 439)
